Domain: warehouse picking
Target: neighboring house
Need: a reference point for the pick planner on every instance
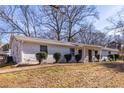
(3, 53)
(23, 49)
(5, 47)
(121, 53)
(114, 44)
(1, 48)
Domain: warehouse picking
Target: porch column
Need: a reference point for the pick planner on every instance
(84, 54)
(21, 50)
(100, 56)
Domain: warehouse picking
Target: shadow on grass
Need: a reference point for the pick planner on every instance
(6, 65)
(115, 66)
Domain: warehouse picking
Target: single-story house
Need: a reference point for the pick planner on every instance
(23, 49)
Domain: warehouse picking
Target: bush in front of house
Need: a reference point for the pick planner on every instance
(57, 57)
(116, 56)
(9, 59)
(78, 57)
(121, 57)
(40, 56)
(98, 57)
(68, 57)
(112, 57)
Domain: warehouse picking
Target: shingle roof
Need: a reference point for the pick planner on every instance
(110, 49)
(56, 42)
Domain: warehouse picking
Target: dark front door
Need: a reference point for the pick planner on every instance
(90, 55)
(80, 52)
(96, 54)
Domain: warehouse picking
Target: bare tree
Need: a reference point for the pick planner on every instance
(75, 16)
(20, 19)
(54, 22)
(63, 22)
(89, 35)
(117, 22)
(117, 26)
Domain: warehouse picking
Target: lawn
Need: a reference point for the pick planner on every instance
(73, 75)
(6, 66)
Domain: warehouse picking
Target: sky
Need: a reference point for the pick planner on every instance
(106, 11)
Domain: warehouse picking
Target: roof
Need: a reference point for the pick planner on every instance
(56, 42)
(110, 49)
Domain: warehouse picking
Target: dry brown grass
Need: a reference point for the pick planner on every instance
(75, 75)
(6, 66)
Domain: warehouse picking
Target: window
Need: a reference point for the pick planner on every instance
(72, 51)
(109, 52)
(43, 48)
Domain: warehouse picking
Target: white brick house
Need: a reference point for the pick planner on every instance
(23, 49)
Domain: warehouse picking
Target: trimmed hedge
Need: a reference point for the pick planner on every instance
(98, 57)
(57, 57)
(113, 57)
(68, 57)
(40, 56)
(116, 57)
(9, 59)
(78, 57)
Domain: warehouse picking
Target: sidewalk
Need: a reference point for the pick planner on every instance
(2, 71)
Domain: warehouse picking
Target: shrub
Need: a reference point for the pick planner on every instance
(68, 57)
(9, 59)
(40, 56)
(116, 56)
(113, 57)
(98, 57)
(57, 57)
(121, 57)
(78, 57)
(110, 57)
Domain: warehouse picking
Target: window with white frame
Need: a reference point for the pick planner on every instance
(72, 51)
(43, 48)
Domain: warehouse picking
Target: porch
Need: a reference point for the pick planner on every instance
(91, 54)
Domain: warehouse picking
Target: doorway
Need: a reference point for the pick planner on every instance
(96, 54)
(90, 55)
(80, 51)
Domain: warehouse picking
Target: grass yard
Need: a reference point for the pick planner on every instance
(73, 75)
(6, 66)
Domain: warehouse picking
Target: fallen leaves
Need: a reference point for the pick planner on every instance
(74, 75)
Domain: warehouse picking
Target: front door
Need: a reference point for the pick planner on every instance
(96, 54)
(80, 52)
(90, 55)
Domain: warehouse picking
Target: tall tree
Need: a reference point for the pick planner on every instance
(54, 22)
(20, 19)
(117, 27)
(117, 22)
(75, 16)
(89, 35)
